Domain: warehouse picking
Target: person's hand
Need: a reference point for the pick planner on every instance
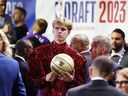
(7, 28)
(51, 77)
(67, 76)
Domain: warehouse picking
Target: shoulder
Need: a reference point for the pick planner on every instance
(126, 52)
(43, 47)
(77, 90)
(115, 91)
(42, 39)
(40, 50)
(75, 55)
(73, 52)
(12, 61)
(8, 59)
(8, 17)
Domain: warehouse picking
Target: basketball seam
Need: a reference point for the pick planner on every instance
(58, 66)
(67, 62)
(53, 68)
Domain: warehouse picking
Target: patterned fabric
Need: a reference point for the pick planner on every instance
(39, 66)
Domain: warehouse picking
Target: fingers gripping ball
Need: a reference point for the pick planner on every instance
(62, 63)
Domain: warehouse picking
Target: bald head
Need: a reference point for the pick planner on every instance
(80, 42)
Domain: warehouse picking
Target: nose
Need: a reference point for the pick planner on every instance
(113, 40)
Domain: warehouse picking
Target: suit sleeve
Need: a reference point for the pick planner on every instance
(68, 93)
(18, 87)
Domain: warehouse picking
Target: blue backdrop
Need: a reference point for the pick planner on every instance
(28, 5)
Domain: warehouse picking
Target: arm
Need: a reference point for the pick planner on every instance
(80, 70)
(37, 70)
(18, 87)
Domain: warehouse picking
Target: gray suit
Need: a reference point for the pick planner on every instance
(95, 88)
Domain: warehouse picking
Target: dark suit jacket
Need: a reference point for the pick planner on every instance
(30, 89)
(23, 67)
(88, 63)
(95, 88)
(124, 61)
(10, 78)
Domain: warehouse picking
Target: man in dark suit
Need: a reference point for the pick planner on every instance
(100, 70)
(119, 52)
(23, 47)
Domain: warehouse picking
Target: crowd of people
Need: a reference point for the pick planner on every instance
(25, 67)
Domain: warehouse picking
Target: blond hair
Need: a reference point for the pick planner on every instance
(63, 21)
(6, 45)
(40, 25)
(123, 72)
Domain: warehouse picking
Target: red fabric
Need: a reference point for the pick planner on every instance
(39, 66)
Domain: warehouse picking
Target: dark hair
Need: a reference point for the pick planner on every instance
(104, 65)
(120, 32)
(22, 10)
(21, 44)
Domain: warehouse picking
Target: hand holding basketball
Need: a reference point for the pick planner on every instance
(67, 77)
(51, 77)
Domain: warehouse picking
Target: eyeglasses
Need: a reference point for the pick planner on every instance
(122, 82)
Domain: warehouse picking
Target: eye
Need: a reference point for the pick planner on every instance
(63, 29)
(57, 28)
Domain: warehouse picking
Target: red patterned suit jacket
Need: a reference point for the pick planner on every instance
(39, 65)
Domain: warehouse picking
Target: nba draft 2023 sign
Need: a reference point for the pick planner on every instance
(90, 17)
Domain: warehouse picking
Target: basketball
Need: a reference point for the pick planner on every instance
(62, 63)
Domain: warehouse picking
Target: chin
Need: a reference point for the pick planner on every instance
(113, 48)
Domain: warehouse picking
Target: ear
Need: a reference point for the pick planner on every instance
(104, 50)
(25, 50)
(110, 76)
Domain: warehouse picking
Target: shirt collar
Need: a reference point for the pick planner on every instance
(86, 51)
(120, 53)
(20, 57)
(98, 78)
